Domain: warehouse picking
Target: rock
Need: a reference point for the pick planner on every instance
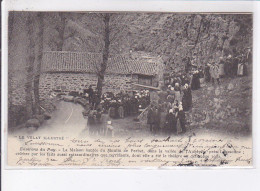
(219, 115)
(233, 110)
(33, 123)
(68, 98)
(47, 116)
(217, 92)
(41, 118)
(218, 106)
(216, 99)
(230, 86)
(81, 101)
(210, 88)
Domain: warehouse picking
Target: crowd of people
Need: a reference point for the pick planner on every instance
(97, 124)
(175, 99)
(226, 67)
(125, 104)
(121, 105)
(168, 115)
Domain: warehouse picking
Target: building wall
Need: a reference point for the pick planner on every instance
(77, 82)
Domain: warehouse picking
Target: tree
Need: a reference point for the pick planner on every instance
(29, 67)
(61, 31)
(38, 59)
(105, 53)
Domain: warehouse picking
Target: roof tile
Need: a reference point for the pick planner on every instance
(61, 61)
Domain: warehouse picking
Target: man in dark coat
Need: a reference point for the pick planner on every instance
(134, 104)
(125, 106)
(187, 98)
(188, 65)
(95, 99)
(171, 122)
(207, 73)
(150, 118)
(228, 66)
(157, 120)
(90, 93)
(195, 82)
(112, 112)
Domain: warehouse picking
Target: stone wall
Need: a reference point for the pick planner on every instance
(16, 94)
(78, 81)
(117, 82)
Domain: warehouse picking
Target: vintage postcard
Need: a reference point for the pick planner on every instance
(129, 89)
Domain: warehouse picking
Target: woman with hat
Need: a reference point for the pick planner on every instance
(120, 109)
(177, 92)
(195, 81)
(187, 97)
(214, 73)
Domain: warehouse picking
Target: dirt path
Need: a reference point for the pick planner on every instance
(67, 120)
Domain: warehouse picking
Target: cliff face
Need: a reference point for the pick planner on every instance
(177, 36)
(172, 36)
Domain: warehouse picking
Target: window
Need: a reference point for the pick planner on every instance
(145, 80)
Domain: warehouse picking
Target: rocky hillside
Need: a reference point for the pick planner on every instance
(172, 36)
(227, 107)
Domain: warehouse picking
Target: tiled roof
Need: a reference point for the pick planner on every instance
(61, 61)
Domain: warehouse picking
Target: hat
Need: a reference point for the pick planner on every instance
(229, 56)
(109, 122)
(176, 84)
(171, 111)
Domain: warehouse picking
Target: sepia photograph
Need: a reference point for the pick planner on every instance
(150, 86)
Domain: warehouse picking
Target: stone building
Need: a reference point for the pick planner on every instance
(72, 71)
